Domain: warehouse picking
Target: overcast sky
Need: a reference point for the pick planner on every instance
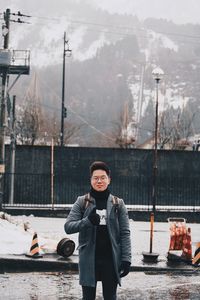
(180, 11)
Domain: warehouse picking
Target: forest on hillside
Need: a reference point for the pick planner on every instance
(102, 91)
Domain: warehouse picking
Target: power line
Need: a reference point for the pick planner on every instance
(75, 113)
(45, 18)
(120, 33)
(20, 14)
(112, 26)
(118, 26)
(105, 25)
(19, 21)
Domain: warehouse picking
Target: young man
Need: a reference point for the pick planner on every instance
(104, 236)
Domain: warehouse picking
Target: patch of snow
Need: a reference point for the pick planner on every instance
(92, 50)
(16, 234)
(168, 43)
(194, 67)
(175, 100)
(156, 40)
(14, 239)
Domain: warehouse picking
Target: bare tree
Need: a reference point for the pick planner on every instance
(71, 130)
(27, 127)
(165, 129)
(51, 129)
(175, 128)
(124, 131)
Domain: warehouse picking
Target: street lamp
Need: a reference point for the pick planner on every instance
(157, 74)
(151, 256)
(63, 108)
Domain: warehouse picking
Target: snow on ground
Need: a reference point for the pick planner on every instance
(16, 234)
(9, 234)
(15, 240)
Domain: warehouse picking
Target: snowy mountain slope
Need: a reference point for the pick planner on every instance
(105, 45)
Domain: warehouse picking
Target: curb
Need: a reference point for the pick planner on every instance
(24, 264)
(164, 269)
(55, 263)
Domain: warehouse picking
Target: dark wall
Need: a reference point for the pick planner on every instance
(178, 174)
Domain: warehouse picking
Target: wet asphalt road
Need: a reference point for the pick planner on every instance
(138, 286)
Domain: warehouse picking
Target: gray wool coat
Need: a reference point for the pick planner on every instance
(118, 229)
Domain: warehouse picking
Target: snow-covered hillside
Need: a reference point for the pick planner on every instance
(105, 44)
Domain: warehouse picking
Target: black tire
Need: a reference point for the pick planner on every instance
(65, 247)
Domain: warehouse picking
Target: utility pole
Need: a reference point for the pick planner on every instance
(4, 74)
(7, 28)
(63, 108)
(9, 65)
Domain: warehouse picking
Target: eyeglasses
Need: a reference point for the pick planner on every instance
(101, 178)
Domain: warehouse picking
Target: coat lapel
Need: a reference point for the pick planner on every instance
(109, 204)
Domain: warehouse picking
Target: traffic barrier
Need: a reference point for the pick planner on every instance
(196, 259)
(34, 250)
(177, 233)
(187, 246)
(180, 248)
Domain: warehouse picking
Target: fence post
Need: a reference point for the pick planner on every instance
(52, 173)
(12, 156)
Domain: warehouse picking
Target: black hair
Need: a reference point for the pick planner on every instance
(99, 165)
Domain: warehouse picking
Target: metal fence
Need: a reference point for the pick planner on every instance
(28, 190)
(41, 190)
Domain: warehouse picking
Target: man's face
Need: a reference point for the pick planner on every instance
(100, 180)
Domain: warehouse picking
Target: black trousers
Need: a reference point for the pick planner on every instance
(104, 272)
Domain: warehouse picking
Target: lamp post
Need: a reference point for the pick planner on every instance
(157, 74)
(63, 108)
(152, 256)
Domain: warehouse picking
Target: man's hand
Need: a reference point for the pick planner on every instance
(94, 217)
(124, 268)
